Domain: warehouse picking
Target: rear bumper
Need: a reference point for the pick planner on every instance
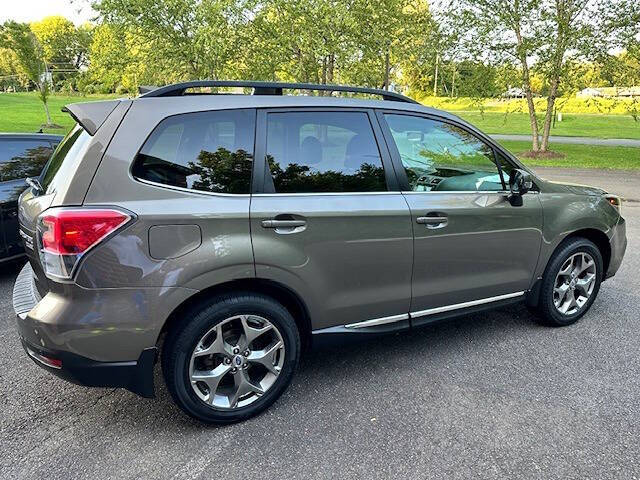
(618, 242)
(135, 376)
(102, 337)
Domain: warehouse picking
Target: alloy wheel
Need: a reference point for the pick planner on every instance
(236, 362)
(574, 283)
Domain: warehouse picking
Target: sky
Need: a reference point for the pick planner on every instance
(78, 11)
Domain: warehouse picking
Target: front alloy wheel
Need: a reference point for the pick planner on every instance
(570, 282)
(574, 283)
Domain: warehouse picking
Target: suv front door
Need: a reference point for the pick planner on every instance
(328, 220)
(471, 244)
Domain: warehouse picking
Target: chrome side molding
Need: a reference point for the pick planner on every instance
(432, 311)
(378, 321)
(456, 306)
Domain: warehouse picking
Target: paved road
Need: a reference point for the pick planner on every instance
(610, 142)
(624, 183)
(492, 395)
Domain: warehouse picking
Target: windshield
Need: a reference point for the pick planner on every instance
(68, 153)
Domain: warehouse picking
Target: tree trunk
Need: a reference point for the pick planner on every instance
(526, 83)
(532, 109)
(386, 70)
(453, 79)
(332, 64)
(43, 97)
(324, 70)
(321, 93)
(435, 83)
(46, 110)
(551, 100)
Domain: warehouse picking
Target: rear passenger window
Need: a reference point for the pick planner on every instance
(311, 152)
(23, 158)
(205, 151)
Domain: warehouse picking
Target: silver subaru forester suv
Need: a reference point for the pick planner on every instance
(225, 233)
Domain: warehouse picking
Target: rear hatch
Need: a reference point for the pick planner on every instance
(32, 202)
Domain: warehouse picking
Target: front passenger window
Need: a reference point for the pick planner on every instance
(439, 156)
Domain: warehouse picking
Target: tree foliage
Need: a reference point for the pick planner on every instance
(324, 41)
(29, 55)
(543, 37)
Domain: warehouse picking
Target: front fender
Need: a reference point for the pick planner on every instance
(567, 213)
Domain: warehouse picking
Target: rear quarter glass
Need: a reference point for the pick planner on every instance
(65, 159)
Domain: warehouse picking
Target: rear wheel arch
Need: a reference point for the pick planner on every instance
(278, 292)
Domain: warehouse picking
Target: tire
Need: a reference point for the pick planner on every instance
(225, 314)
(579, 250)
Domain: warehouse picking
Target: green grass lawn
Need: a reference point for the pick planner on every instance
(23, 112)
(581, 156)
(572, 125)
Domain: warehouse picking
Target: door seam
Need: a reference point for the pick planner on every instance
(413, 255)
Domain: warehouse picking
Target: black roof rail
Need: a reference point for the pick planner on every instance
(271, 88)
(142, 89)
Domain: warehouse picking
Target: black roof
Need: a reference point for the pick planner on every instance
(268, 88)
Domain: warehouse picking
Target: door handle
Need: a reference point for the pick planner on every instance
(433, 221)
(283, 223)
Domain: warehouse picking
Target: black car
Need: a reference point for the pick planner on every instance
(22, 155)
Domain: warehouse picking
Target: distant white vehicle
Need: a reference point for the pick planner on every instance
(589, 92)
(514, 92)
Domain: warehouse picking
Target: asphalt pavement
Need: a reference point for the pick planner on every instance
(624, 183)
(491, 395)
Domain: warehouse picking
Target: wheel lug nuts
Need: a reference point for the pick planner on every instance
(236, 350)
(234, 370)
(227, 361)
(247, 353)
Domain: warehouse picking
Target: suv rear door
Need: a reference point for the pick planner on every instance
(472, 245)
(327, 219)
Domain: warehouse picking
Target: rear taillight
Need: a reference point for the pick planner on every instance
(65, 234)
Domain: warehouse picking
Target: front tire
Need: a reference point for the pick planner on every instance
(232, 358)
(570, 283)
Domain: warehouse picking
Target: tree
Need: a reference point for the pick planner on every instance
(308, 40)
(393, 36)
(62, 43)
(542, 36)
(196, 38)
(11, 73)
(65, 47)
(19, 38)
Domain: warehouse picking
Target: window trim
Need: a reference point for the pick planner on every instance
(191, 190)
(260, 167)
(403, 180)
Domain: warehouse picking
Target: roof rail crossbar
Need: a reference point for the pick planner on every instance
(272, 88)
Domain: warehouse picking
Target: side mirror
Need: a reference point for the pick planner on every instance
(520, 182)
